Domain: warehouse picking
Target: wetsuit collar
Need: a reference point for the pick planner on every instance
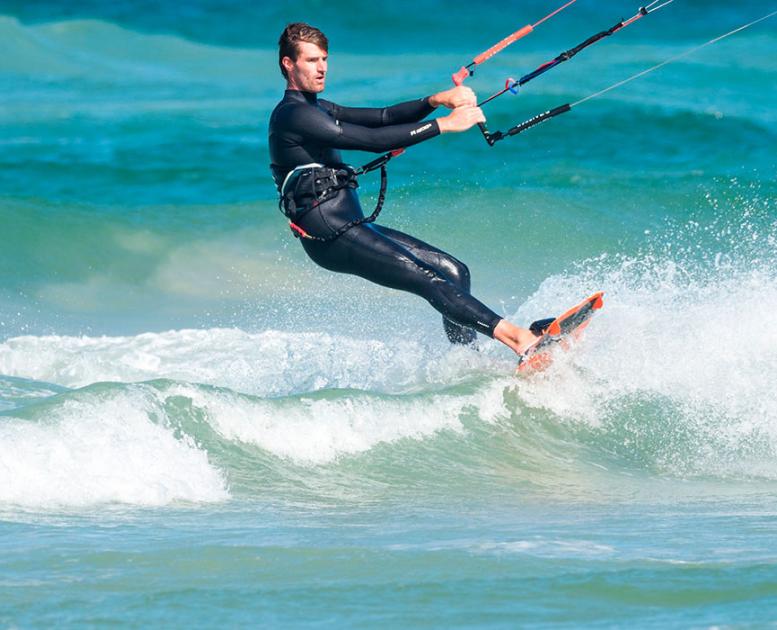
(299, 95)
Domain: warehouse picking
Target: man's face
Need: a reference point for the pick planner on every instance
(308, 72)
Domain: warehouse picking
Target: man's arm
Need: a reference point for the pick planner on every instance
(408, 112)
(312, 124)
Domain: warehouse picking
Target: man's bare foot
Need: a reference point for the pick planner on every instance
(515, 337)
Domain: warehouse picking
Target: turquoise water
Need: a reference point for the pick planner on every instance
(199, 427)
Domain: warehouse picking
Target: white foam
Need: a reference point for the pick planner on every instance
(318, 431)
(544, 547)
(708, 345)
(117, 444)
(270, 363)
(95, 448)
(688, 329)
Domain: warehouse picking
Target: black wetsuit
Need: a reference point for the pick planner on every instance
(305, 130)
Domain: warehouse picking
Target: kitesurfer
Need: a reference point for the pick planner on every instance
(319, 196)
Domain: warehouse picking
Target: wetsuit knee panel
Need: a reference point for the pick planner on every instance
(460, 272)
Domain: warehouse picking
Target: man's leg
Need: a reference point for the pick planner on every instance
(367, 252)
(447, 265)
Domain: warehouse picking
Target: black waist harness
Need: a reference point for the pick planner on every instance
(310, 185)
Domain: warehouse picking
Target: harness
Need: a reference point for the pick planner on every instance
(310, 185)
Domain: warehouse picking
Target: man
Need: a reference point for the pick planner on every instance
(318, 189)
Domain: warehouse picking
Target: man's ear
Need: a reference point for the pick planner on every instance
(287, 63)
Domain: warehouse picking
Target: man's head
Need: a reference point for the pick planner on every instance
(302, 56)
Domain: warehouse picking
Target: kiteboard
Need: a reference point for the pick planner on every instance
(552, 332)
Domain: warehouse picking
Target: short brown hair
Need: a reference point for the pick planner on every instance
(295, 33)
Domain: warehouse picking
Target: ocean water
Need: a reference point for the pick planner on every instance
(198, 427)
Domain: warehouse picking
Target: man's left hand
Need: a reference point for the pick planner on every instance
(459, 96)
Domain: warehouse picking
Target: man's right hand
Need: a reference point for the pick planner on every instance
(461, 119)
(454, 97)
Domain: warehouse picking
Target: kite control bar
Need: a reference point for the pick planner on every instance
(492, 138)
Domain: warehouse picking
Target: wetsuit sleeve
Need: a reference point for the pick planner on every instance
(314, 124)
(408, 112)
